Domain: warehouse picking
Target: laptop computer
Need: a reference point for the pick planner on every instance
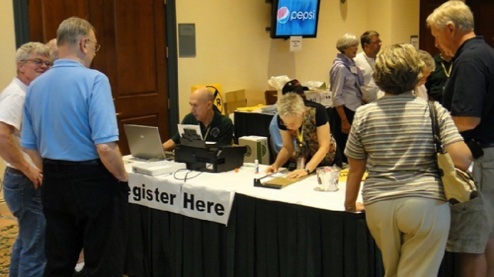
(144, 142)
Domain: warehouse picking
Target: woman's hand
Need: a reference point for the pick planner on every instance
(357, 207)
(272, 168)
(297, 173)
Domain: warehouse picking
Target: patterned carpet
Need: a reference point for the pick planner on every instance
(8, 233)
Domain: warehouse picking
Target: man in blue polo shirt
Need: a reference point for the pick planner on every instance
(70, 130)
(469, 95)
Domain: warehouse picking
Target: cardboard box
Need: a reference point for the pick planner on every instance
(234, 100)
(232, 106)
(257, 148)
(237, 95)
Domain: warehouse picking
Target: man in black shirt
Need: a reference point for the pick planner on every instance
(437, 80)
(214, 126)
(469, 96)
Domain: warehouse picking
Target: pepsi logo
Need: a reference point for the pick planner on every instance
(283, 15)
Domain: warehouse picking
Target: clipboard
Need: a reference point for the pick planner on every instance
(276, 182)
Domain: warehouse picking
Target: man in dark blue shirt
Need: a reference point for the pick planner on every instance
(469, 96)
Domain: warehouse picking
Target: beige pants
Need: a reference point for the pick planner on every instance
(411, 233)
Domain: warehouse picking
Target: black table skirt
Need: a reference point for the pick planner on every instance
(263, 238)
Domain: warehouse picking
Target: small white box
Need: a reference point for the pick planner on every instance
(157, 168)
(257, 148)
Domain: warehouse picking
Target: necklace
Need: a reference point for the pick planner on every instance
(447, 72)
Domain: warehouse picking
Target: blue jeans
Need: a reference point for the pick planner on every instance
(28, 257)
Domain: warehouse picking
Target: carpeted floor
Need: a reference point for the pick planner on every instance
(8, 233)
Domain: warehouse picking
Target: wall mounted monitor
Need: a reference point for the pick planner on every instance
(294, 18)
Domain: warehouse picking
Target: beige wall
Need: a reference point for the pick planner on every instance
(234, 49)
(7, 44)
(7, 62)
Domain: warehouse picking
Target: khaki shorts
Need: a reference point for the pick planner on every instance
(469, 231)
(472, 222)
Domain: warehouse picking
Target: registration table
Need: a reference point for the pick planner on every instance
(295, 231)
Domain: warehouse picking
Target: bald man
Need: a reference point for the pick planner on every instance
(214, 126)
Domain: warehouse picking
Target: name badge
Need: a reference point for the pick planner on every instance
(353, 69)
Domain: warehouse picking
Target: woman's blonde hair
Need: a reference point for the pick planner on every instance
(398, 68)
(290, 104)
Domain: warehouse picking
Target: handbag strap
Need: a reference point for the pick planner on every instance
(435, 127)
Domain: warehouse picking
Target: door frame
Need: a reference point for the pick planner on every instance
(21, 26)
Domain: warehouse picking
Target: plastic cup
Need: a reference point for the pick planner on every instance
(327, 178)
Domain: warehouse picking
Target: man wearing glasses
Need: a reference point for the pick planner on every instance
(71, 129)
(366, 61)
(22, 178)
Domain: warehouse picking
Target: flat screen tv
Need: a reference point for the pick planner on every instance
(294, 18)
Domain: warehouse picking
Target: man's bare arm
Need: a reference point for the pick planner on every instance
(465, 123)
(11, 152)
(111, 157)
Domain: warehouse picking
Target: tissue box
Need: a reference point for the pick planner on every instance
(257, 148)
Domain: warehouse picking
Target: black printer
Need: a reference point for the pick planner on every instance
(200, 156)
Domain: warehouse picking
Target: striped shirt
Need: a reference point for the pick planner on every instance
(394, 134)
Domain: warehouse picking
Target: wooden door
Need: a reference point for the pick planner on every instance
(426, 40)
(132, 55)
(482, 12)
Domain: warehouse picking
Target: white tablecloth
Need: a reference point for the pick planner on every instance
(300, 193)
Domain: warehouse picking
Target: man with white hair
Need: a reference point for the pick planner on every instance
(22, 178)
(469, 96)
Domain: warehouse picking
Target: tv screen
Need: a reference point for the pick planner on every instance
(294, 18)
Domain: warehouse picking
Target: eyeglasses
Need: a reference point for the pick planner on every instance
(97, 46)
(39, 62)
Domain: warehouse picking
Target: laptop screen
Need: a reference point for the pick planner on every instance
(144, 142)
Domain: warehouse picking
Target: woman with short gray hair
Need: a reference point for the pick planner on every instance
(316, 146)
(345, 79)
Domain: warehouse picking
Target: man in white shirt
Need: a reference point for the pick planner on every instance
(366, 61)
(22, 176)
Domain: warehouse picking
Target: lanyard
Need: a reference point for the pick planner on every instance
(207, 132)
(447, 72)
(300, 135)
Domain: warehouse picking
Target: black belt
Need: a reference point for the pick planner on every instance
(71, 163)
(486, 144)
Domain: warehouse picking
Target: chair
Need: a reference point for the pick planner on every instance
(271, 97)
